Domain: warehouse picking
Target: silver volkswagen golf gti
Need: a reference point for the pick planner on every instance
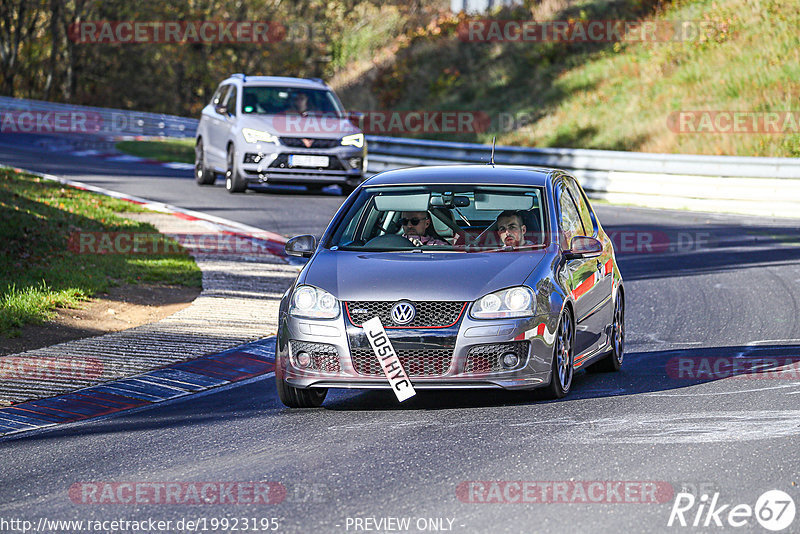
(452, 277)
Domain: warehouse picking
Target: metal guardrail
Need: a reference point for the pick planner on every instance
(583, 161)
(91, 120)
(764, 186)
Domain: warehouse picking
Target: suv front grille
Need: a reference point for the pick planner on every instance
(282, 162)
(486, 358)
(430, 314)
(424, 362)
(324, 357)
(297, 142)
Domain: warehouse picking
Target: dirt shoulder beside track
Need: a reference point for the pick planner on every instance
(120, 308)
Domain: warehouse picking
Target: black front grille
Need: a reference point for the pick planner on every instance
(324, 357)
(282, 162)
(486, 358)
(424, 362)
(298, 142)
(430, 314)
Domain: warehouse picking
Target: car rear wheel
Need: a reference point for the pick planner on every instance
(233, 180)
(562, 367)
(299, 398)
(612, 361)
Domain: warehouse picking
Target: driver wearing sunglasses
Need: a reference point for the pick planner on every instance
(417, 228)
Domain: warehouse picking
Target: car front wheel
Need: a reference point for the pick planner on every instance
(299, 398)
(233, 180)
(562, 367)
(201, 173)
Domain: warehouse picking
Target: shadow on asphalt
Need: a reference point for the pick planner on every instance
(646, 252)
(642, 372)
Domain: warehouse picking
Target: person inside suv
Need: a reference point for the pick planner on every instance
(299, 104)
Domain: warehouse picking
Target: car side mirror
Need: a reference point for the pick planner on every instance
(584, 247)
(219, 108)
(355, 118)
(302, 246)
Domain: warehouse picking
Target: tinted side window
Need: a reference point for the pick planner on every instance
(230, 104)
(583, 208)
(570, 220)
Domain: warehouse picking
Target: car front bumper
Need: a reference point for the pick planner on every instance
(440, 358)
(270, 164)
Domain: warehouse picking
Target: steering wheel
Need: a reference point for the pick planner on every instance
(389, 241)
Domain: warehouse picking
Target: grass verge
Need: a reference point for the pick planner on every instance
(602, 95)
(39, 272)
(168, 150)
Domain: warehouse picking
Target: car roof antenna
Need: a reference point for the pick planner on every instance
(491, 161)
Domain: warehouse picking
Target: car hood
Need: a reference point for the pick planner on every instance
(297, 126)
(418, 276)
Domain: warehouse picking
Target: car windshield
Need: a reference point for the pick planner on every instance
(270, 100)
(446, 218)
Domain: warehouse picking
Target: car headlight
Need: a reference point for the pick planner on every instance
(257, 136)
(356, 140)
(314, 303)
(513, 302)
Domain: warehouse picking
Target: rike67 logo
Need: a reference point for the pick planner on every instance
(774, 510)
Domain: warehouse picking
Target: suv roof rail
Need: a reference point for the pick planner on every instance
(318, 80)
(239, 75)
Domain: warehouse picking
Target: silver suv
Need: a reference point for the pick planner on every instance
(267, 129)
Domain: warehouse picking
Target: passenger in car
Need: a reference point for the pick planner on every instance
(511, 229)
(417, 228)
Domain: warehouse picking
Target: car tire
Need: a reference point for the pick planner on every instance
(612, 361)
(299, 398)
(234, 182)
(202, 175)
(315, 188)
(562, 368)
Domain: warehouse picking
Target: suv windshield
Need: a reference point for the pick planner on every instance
(271, 100)
(461, 218)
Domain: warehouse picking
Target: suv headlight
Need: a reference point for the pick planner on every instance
(512, 302)
(257, 136)
(356, 140)
(314, 303)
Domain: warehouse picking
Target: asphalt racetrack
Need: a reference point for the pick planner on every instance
(713, 291)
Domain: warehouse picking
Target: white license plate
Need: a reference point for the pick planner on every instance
(308, 161)
(388, 359)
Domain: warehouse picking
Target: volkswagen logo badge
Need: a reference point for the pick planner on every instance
(403, 313)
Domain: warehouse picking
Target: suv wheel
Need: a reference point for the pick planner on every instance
(201, 174)
(233, 180)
